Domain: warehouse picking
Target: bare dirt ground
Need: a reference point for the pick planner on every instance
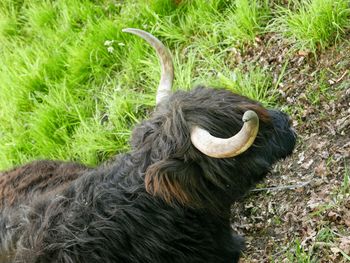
(305, 201)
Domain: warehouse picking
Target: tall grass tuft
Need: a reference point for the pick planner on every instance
(246, 19)
(314, 24)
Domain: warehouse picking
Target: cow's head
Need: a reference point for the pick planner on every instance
(207, 147)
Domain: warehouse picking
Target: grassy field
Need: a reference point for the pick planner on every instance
(72, 85)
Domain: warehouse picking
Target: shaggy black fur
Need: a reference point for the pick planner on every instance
(164, 201)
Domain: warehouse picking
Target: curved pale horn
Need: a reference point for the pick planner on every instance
(230, 147)
(167, 77)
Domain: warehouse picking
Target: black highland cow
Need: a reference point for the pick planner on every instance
(167, 200)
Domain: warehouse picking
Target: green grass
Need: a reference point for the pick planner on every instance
(246, 20)
(298, 254)
(312, 24)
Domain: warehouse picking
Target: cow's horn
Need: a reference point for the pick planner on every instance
(167, 77)
(230, 147)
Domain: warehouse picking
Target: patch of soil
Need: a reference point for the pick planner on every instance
(304, 199)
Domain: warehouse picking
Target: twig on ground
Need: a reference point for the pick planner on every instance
(342, 76)
(333, 81)
(277, 188)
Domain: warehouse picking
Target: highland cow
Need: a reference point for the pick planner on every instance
(167, 200)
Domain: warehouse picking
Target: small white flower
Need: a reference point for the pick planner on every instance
(121, 44)
(109, 42)
(110, 49)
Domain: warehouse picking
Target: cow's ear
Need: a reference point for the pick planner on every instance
(175, 181)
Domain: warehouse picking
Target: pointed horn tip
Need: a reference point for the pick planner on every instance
(250, 115)
(128, 30)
